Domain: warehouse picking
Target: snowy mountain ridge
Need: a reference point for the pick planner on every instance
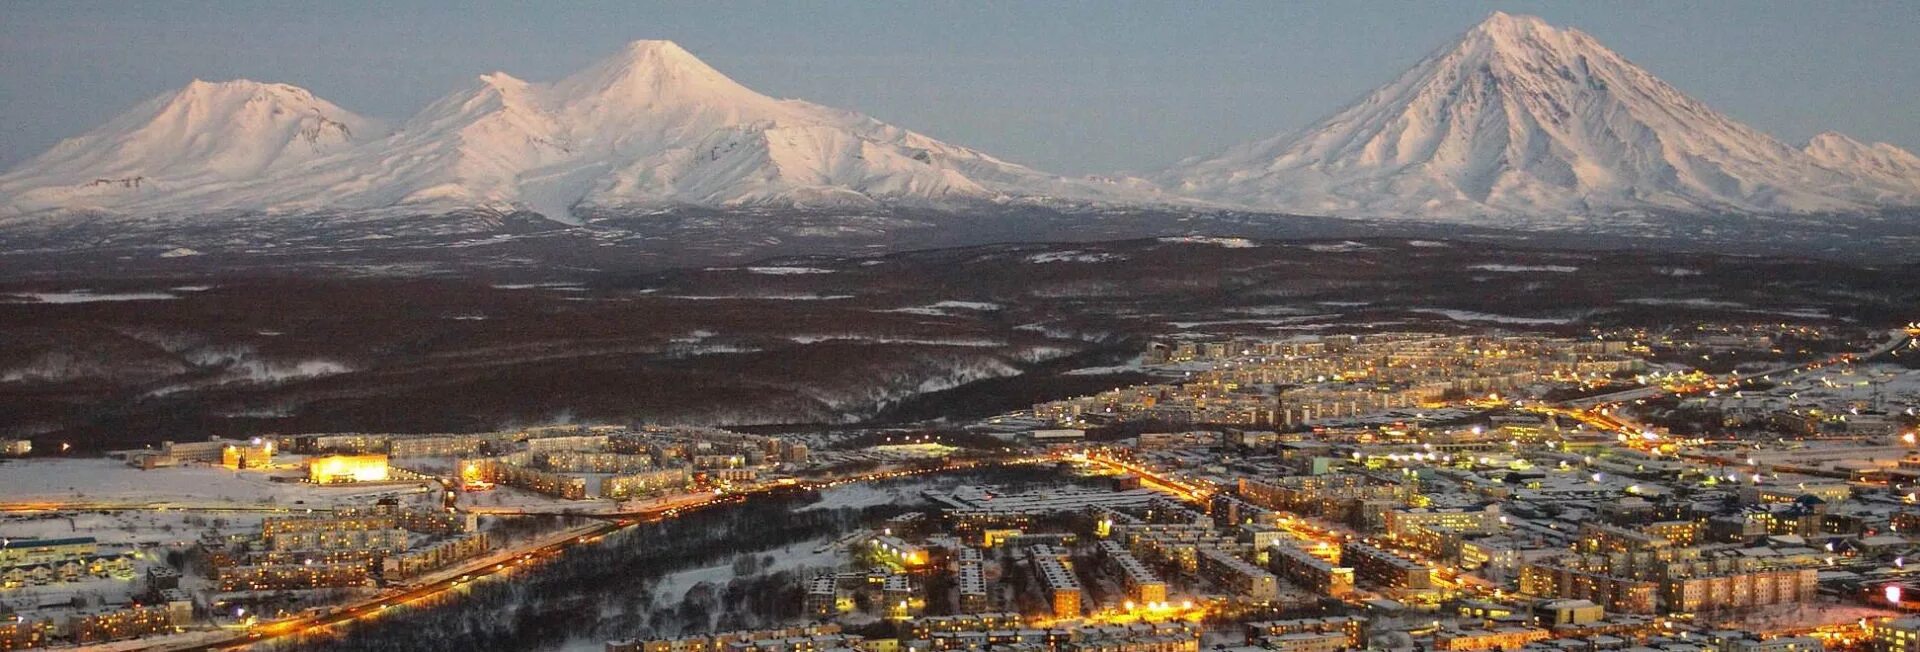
(1515, 124)
(206, 133)
(650, 127)
(1518, 118)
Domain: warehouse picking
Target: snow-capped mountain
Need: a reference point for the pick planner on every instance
(208, 133)
(649, 127)
(1896, 169)
(1519, 118)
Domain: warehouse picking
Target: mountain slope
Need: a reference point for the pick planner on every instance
(205, 133)
(1518, 118)
(1895, 169)
(650, 127)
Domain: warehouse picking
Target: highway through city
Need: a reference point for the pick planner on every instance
(506, 561)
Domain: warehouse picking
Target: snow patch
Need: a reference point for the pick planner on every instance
(1338, 247)
(86, 296)
(1498, 267)
(1073, 257)
(788, 271)
(1470, 316)
(1229, 243)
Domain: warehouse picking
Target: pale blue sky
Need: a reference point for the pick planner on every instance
(1071, 87)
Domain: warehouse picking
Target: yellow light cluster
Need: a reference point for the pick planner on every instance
(347, 468)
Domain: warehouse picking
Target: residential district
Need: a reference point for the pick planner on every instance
(1619, 491)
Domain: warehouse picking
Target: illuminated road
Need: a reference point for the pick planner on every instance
(504, 561)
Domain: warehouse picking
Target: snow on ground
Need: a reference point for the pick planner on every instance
(1137, 364)
(1268, 310)
(1496, 267)
(85, 296)
(96, 589)
(793, 556)
(758, 297)
(788, 271)
(563, 287)
(1694, 303)
(111, 481)
(170, 527)
(1338, 247)
(1230, 243)
(1427, 244)
(932, 341)
(1470, 316)
(968, 305)
(945, 308)
(863, 494)
(1278, 321)
(1676, 271)
(1073, 257)
(179, 252)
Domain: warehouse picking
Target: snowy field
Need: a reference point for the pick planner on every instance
(860, 495)
(142, 527)
(809, 554)
(106, 482)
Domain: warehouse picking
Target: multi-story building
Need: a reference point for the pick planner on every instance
(443, 445)
(971, 585)
(823, 596)
(1506, 638)
(645, 483)
(1142, 584)
(440, 554)
(1895, 635)
(38, 562)
(1738, 590)
(386, 540)
(1603, 538)
(803, 639)
(113, 624)
(1057, 580)
(896, 595)
(1385, 568)
(1309, 572)
(335, 469)
(1306, 642)
(1351, 629)
(1617, 594)
(1680, 533)
(19, 633)
(1471, 521)
(514, 470)
(1238, 575)
(291, 576)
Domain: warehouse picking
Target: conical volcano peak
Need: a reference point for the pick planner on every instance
(1518, 118)
(1505, 23)
(647, 70)
(1525, 37)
